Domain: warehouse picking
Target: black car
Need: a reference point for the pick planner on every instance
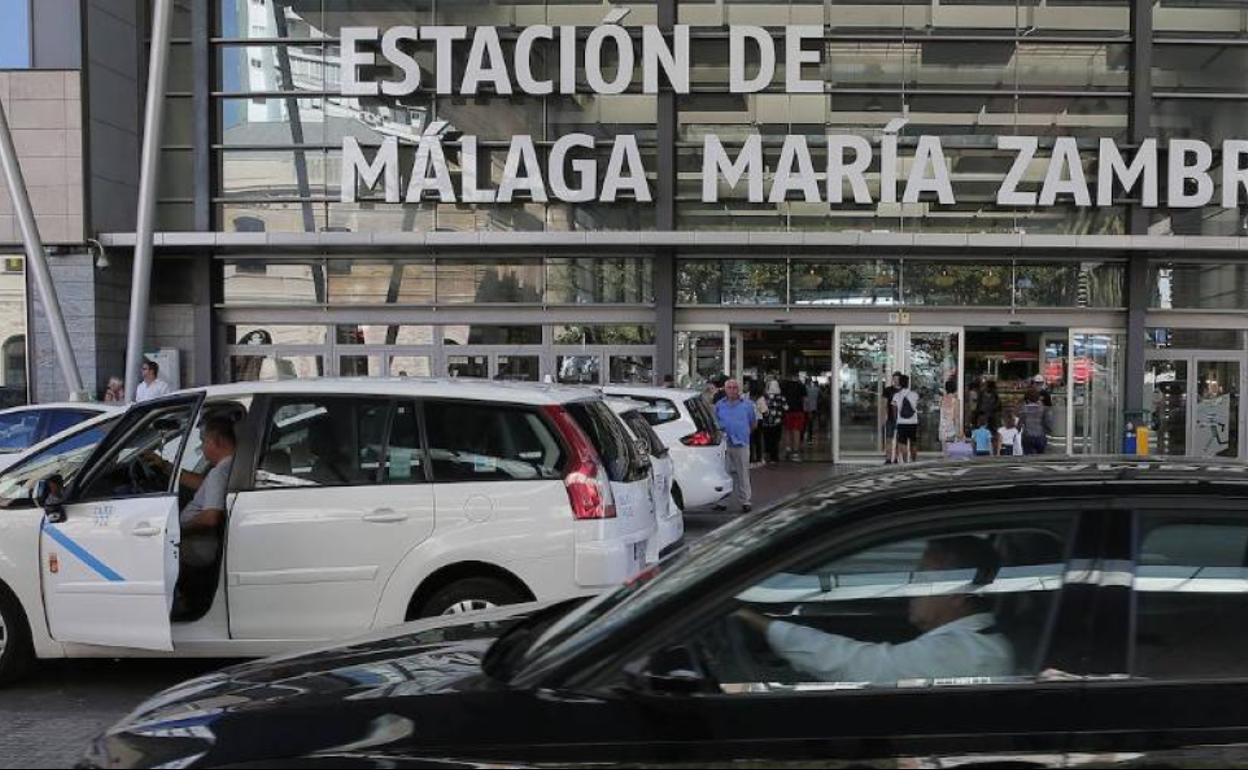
(981, 613)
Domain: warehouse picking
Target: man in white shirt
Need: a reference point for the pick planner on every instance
(959, 638)
(906, 407)
(151, 386)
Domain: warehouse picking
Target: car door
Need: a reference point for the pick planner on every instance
(1181, 696)
(339, 496)
(1014, 694)
(110, 567)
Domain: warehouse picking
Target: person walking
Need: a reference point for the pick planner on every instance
(773, 420)
(890, 420)
(811, 406)
(906, 406)
(981, 437)
(1037, 423)
(950, 416)
(794, 419)
(758, 397)
(737, 420)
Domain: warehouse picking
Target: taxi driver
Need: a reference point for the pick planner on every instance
(959, 635)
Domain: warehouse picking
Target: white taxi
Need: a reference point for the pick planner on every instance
(350, 506)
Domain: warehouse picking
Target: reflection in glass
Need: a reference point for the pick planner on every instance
(519, 368)
(844, 283)
(411, 366)
(866, 365)
(274, 282)
(589, 280)
(1072, 284)
(483, 334)
(933, 360)
(275, 334)
(357, 282)
(632, 370)
(271, 368)
(957, 284)
(754, 282)
(604, 334)
(1165, 396)
(579, 370)
(1195, 339)
(1217, 409)
(697, 282)
(1097, 360)
(700, 355)
(468, 366)
(360, 366)
(381, 334)
(490, 281)
(1176, 286)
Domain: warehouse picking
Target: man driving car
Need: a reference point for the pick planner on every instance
(959, 635)
(203, 516)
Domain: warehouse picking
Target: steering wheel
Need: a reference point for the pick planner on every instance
(143, 477)
(733, 652)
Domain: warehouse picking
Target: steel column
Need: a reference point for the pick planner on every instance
(1137, 268)
(37, 259)
(665, 216)
(149, 181)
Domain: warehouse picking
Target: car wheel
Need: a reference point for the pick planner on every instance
(678, 496)
(16, 652)
(470, 595)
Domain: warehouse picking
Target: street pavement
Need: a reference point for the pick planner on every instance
(47, 721)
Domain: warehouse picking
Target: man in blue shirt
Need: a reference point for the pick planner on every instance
(737, 419)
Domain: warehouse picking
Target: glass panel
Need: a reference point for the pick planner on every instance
(700, 355)
(578, 370)
(519, 368)
(481, 334)
(411, 366)
(15, 34)
(604, 334)
(956, 284)
(1194, 68)
(1054, 358)
(1165, 395)
(490, 281)
(353, 282)
(632, 370)
(592, 281)
(307, 217)
(933, 358)
(143, 462)
(13, 353)
(698, 282)
(754, 282)
(18, 431)
(371, 334)
(269, 334)
(844, 283)
(265, 174)
(486, 442)
(262, 282)
(1195, 339)
(1067, 285)
(866, 363)
(360, 366)
(468, 366)
(62, 458)
(325, 442)
(1191, 597)
(274, 367)
(1098, 372)
(1217, 409)
(265, 121)
(1199, 286)
(404, 456)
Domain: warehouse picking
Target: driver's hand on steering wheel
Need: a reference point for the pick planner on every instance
(753, 619)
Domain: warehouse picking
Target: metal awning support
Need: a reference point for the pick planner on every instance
(149, 180)
(37, 259)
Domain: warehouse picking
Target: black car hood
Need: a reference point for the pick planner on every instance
(213, 720)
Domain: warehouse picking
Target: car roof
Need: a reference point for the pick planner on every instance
(530, 393)
(81, 406)
(1014, 478)
(648, 391)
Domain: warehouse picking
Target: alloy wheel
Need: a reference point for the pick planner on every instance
(464, 607)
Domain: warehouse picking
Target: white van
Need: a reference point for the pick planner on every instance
(352, 505)
(669, 518)
(685, 421)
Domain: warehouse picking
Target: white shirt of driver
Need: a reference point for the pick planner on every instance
(957, 649)
(147, 392)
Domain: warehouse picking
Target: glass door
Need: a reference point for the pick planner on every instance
(864, 362)
(1165, 396)
(1095, 383)
(701, 354)
(1215, 416)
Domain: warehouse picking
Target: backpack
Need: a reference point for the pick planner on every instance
(776, 406)
(907, 406)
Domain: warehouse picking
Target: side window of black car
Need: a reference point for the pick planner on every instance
(953, 604)
(1191, 589)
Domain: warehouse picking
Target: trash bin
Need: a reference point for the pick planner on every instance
(1136, 434)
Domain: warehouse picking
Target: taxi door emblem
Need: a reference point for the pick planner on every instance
(54, 563)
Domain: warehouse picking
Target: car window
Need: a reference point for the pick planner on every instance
(405, 460)
(1191, 602)
(657, 411)
(642, 430)
(143, 461)
(18, 431)
(703, 415)
(623, 461)
(330, 441)
(64, 458)
(490, 442)
(64, 419)
(962, 603)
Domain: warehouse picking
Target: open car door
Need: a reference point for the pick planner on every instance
(109, 546)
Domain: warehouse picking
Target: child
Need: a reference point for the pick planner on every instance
(982, 438)
(1011, 437)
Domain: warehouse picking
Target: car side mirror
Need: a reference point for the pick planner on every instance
(672, 671)
(48, 494)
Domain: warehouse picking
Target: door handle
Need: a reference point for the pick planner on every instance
(145, 530)
(385, 516)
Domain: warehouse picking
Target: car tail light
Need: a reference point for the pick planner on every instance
(589, 488)
(701, 438)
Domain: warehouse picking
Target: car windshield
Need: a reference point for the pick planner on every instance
(615, 610)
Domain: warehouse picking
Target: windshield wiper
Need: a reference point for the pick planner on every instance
(509, 649)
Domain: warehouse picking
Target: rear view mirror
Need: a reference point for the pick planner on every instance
(49, 494)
